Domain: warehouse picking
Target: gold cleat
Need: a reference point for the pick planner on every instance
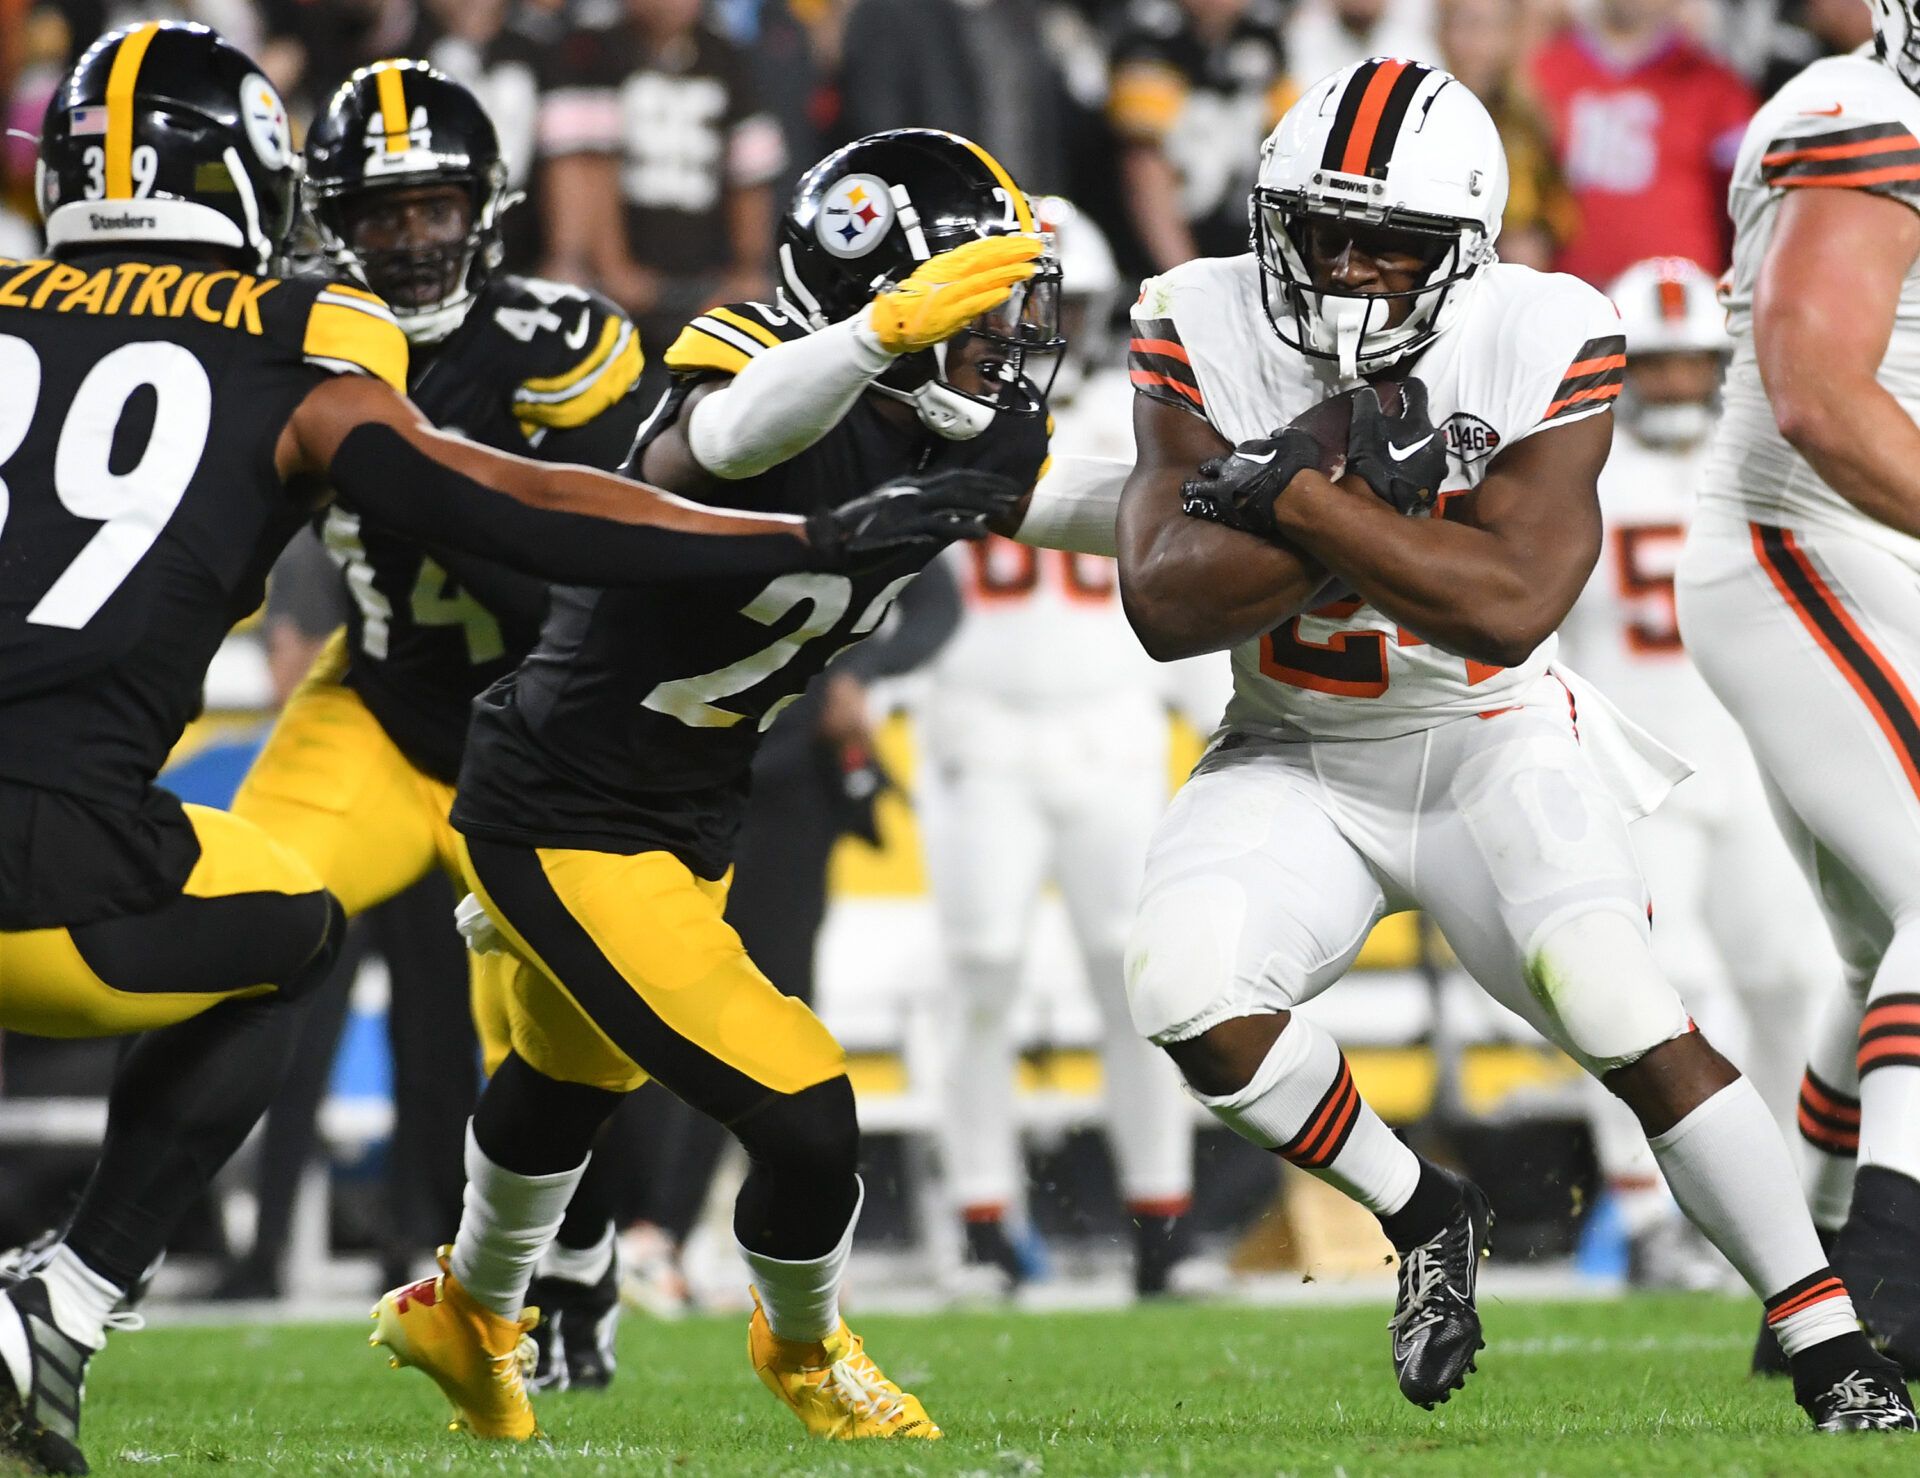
(832, 1386)
(478, 1359)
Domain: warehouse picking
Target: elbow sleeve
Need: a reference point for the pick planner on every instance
(398, 485)
(1075, 505)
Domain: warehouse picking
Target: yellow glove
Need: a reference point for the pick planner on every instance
(949, 291)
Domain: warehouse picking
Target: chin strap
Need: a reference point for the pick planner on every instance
(943, 410)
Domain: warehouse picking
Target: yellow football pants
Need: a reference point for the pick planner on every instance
(334, 788)
(623, 968)
(250, 919)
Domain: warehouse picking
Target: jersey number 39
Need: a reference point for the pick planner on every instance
(131, 506)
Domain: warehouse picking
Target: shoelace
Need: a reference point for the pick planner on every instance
(1853, 1392)
(126, 1320)
(858, 1384)
(1425, 1273)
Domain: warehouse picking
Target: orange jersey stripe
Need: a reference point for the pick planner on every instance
(1148, 377)
(1855, 181)
(1367, 121)
(1166, 347)
(1592, 392)
(1854, 150)
(1594, 366)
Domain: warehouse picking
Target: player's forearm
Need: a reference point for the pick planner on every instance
(1075, 506)
(567, 524)
(1861, 441)
(784, 400)
(1190, 587)
(1464, 589)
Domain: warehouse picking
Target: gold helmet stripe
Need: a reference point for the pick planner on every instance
(120, 84)
(393, 106)
(1021, 210)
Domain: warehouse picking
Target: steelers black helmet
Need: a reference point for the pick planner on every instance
(863, 218)
(405, 126)
(166, 132)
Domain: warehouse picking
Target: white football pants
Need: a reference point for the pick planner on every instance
(1012, 798)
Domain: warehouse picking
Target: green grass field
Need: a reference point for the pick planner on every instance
(1652, 1386)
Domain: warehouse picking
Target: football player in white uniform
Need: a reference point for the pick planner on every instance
(1734, 927)
(1399, 735)
(1045, 736)
(1799, 601)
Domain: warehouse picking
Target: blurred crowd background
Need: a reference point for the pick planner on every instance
(656, 141)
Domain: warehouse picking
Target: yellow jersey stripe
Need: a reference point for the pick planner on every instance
(747, 326)
(353, 336)
(1021, 210)
(619, 375)
(393, 107)
(120, 85)
(348, 291)
(696, 349)
(602, 348)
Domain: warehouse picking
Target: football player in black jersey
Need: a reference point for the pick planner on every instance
(604, 780)
(172, 414)
(408, 189)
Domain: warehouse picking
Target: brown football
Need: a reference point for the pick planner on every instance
(1327, 423)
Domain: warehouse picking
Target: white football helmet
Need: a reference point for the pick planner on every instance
(1896, 38)
(1389, 145)
(1668, 305)
(1089, 284)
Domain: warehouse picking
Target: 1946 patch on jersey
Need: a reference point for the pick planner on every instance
(1469, 438)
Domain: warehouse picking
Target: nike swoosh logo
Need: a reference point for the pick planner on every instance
(1833, 112)
(1401, 453)
(1257, 461)
(579, 334)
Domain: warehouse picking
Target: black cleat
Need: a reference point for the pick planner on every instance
(1879, 1258)
(43, 1428)
(574, 1344)
(1870, 1397)
(1435, 1327)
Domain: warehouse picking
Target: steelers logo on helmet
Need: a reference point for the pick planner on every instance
(855, 215)
(265, 117)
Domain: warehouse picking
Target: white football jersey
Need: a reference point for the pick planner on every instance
(1623, 634)
(1531, 350)
(1846, 122)
(1044, 627)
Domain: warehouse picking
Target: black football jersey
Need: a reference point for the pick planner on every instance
(143, 397)
(633, 723)
(538, 368)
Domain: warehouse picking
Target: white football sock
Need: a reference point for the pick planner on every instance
(1627, 1166)
(586, 1265)
(1302, 1104)
(802, 1299)
(506, 1222)
(1730, 1172)
(1889, 1060)
(81, 1298)
(980, 1136)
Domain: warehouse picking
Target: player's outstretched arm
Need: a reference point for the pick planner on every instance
(1490, 586)
(1823, 311)
(1190, 586)
(582, 526)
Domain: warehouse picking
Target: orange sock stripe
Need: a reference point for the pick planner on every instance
(1901, 1050)
(1866, 669)
(1829, 1101)
(1894, 1011)
(1825, 1136)
(1161, 1206)
(1326, 1133)
(1819, 1293)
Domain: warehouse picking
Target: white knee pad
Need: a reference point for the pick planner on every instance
(1596, 977)
(1181, 963)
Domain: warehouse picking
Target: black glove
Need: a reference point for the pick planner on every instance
(1240, 489)
(922, 511)
(1402, 458)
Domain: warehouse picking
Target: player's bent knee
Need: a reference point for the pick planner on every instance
(813, 1133)
(1180, 965)
(319, 965)
(1595, 974)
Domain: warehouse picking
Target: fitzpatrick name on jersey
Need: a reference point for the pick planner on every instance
(1532, 350)
(540, 368)
(1845, 123)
